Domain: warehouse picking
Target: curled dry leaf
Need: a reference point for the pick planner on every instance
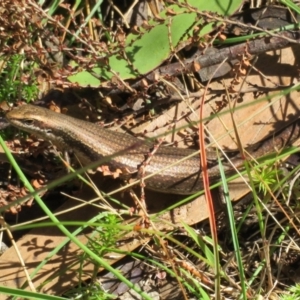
(105, 170)
(35, 183)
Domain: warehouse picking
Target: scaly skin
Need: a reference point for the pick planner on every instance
(91, 142)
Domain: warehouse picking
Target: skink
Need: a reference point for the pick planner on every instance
(91, 142)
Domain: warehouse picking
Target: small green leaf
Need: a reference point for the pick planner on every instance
(151, 48)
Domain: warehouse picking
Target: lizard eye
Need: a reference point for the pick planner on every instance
(28, 122)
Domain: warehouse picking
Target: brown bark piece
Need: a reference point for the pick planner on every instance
(255, 119)
(58, 275)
